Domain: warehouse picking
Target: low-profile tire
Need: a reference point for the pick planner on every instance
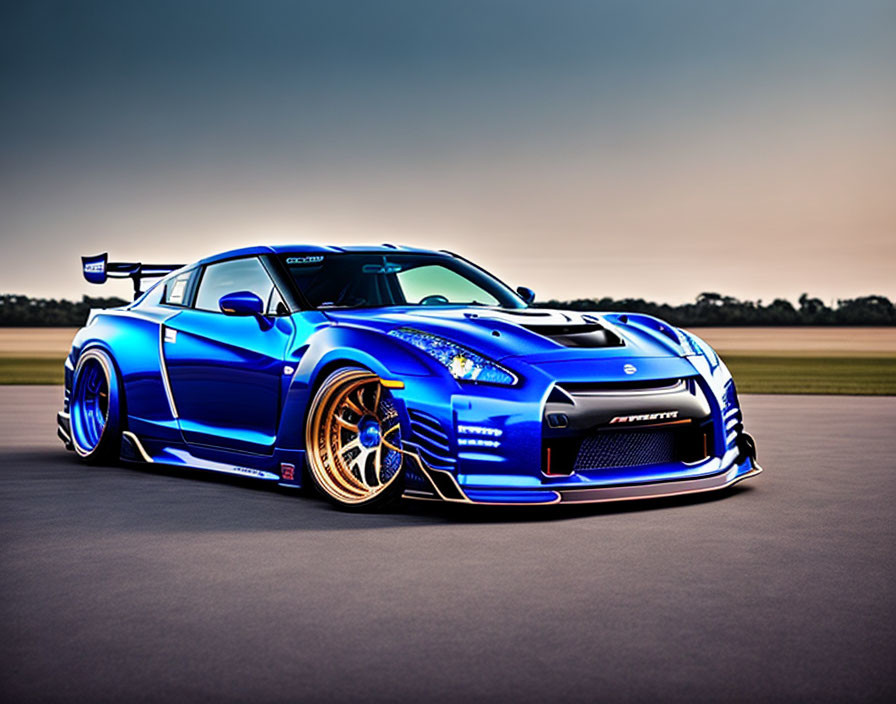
(95, 408)
(353, 441)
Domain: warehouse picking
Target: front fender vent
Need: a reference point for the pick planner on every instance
(430, 439)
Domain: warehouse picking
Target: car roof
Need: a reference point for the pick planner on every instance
(312, 249)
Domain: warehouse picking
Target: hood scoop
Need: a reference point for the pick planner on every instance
(566, 328)
(582, 335)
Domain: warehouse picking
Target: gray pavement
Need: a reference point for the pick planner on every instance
(123, 584)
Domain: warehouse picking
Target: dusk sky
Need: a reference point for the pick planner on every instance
(625, 149)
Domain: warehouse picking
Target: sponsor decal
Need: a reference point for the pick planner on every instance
(248, 472)
(480, 430)
(629, 369)
(287, 471)
(662, 415)
(311, 259)
(478, 442)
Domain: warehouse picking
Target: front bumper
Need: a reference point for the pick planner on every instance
(445, 487)
(501, 447)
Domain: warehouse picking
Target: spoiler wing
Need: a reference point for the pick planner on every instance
(98, 269)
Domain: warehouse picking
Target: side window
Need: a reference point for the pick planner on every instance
(232, 276)
(176, 289)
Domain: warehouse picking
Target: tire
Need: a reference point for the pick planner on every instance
(95, 408)
(353, 441)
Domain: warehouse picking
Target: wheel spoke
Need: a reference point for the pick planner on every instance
(351, 445)
(344, 478)
(391, 430)
(360, 400)
(354, 407)
(348, 425)
(391, 446)
(360, 463)
(378, 390)
(378, 463)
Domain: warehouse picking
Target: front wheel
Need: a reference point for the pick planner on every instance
(95, 408)
(353, 441)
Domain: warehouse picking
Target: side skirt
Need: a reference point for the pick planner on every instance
(134, 450)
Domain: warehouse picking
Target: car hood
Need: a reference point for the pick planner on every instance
(536, 335)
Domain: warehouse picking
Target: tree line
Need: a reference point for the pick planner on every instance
(708, 309)
(716, 309)
(24, 311)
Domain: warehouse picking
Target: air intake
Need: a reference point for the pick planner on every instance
(588, 335)
(430, 440)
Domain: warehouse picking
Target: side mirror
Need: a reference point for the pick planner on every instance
(527, 294)
(241, 303)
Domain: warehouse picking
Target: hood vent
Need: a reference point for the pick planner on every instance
(588, 335)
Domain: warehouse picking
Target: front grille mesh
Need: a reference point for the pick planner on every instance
(626, 448)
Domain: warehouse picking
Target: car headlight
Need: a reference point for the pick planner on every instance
(694, 346)
(462, 363)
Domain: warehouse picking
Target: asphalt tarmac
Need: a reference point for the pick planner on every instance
(129, 584)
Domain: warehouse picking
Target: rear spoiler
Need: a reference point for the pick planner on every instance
(98, 269)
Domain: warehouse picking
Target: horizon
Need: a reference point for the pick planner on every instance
(127, 296)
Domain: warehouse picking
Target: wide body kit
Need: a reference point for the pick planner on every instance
(461, 402)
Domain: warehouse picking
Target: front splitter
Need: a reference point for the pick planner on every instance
(660, 489)
(446, 488)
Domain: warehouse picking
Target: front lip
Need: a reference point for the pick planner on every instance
(658, 490)
(447, 489)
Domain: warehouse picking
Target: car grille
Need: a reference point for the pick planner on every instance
(626, 448)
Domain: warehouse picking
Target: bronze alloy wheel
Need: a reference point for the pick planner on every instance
(353, 440)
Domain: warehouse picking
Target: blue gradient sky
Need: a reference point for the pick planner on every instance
(654, 149)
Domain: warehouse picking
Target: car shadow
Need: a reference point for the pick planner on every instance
(162, 498)
(467, 513)
(416, 510)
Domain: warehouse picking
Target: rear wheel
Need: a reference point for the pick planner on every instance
(95, 408)
(353, 441)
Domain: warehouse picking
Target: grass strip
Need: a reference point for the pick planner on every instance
(858, 376)
(31, 370)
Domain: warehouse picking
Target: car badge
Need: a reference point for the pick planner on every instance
(629, 369)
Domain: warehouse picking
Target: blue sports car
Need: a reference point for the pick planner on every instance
(381, 372)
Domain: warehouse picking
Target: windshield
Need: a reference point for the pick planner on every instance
(350, 280)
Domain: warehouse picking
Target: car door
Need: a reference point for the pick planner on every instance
(225, 371)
